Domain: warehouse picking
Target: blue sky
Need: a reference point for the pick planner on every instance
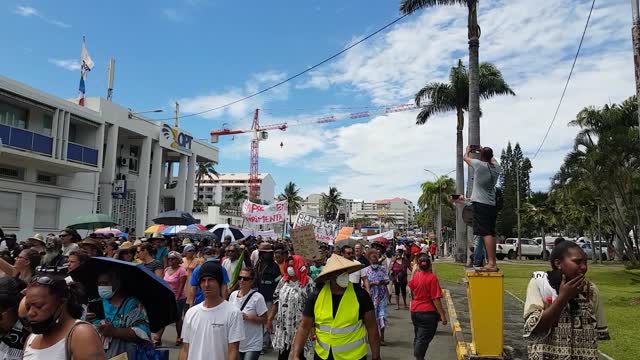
(204, 53)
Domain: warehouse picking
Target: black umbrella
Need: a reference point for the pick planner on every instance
(154, 293)
(175, 217)
(222, 230)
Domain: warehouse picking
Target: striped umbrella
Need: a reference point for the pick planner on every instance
(156, 228)
(176, 229)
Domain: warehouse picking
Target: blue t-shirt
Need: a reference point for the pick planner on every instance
(161, 253)
(194, 282)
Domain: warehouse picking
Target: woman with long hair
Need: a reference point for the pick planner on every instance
(145, 254)
(52, 309)
(24, 266)
(563, 313)
(254, 313)
(426, 307)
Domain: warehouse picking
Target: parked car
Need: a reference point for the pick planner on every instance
(509, 248)
(586, 247)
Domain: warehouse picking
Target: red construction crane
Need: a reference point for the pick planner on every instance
(260, 133)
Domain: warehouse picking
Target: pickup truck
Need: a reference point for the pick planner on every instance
(509, 249)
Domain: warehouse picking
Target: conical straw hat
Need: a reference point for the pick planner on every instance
(335, 264)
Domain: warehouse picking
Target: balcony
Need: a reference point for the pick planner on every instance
(26, 140)
(82, 154)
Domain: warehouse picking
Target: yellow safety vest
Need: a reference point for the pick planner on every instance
(344, 335)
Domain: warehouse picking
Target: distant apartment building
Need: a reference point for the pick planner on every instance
(311, 206)
(400, 209)
(218, 190)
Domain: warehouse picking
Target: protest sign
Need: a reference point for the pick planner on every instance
(304, 242)
(344, 233)
(382, 236)
(265, 214)
(324, 230)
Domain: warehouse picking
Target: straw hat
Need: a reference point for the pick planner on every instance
(156, 236)
(37, 237)
(337, 264)
(126, 245)
(186, 242)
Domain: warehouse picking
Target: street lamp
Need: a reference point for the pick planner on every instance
(439, 233)
(135, 114)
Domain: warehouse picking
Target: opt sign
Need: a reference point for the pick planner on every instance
(265, 214)
(175, 139)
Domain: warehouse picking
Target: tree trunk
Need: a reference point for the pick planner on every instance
(474, 83)
(545, 255)
(460, 254)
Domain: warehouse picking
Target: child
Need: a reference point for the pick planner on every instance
(563, 312)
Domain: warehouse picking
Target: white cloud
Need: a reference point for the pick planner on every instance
(28, 11)
(173, 14)
(67, 64)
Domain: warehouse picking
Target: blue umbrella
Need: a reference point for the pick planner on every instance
(154, 293)
(175, 217)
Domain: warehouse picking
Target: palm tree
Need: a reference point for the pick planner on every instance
(237, 196)
(475, 81)
(290, 195)
(205, 170)
(438, 97)
(330, 204)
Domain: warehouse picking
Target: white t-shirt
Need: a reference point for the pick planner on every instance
(252, 331)
(356, 277)
(230, 266)
(208, 331)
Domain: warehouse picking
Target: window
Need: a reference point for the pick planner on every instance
(47, 212)
(11, 172)
(47, 124)
(13, 116)
(134, 153)
(10, 204)
(44, 178)
(73, 133)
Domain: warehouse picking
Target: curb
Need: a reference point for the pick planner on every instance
(462, 348)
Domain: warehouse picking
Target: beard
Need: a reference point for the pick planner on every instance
(50, 256)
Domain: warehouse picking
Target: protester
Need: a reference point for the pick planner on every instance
(36, 242)
(230, 263)
(289, 298)
(376, 285)
(267, 277)
(92, 246)
(11, 245)
(426, 307)
(316, 268)
(161, 251)
(189, 263)
(77, 258)
(125, 326)
(563, 312)
(69, 239)
(53, 261)
(209, 255)
(126, 252)
(145, 255)
(24, 267)
(13, 334)
(52, 308)
(254, 314)
(280, 254)
(110, 249)
(360, 255)
(176, 276)
(486, 174)
(399, 275)
(355, 277)
(343, 316)
(201, 339)
(433, 248)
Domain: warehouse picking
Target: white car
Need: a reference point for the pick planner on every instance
(530, 248)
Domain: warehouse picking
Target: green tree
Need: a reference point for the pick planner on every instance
(237, 196)
(292, 197)
(515, 167)
(330, 203)
(205, 170)
(438, 97)
(435, 194)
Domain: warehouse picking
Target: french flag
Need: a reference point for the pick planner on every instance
(87, 65)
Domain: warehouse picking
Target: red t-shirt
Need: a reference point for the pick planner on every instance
(432, 248)
(425, 289)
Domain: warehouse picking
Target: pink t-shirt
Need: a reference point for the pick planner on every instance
(172, 277)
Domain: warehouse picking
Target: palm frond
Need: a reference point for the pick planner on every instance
(492, 82)
(409, 6)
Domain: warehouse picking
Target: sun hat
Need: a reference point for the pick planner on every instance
(156, 236)
(126, 245)
(337, 264)
(93, 242)
(37, 237)
(186, 242)
(265, 247)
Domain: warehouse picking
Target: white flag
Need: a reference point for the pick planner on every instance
(87, 63)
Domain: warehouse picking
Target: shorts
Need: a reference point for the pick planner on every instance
(484, 219)
(400, 287)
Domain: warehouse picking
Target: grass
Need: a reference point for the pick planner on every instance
(619, 288)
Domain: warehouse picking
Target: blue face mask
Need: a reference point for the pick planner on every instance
(105, 292)
(375, 266)
(291, 272)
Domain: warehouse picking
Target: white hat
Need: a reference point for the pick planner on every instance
(400, 247)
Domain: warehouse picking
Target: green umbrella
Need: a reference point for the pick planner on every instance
(92, 221)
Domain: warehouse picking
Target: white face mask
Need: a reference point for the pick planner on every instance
(105, 292)
(291, 272)
(342, 280)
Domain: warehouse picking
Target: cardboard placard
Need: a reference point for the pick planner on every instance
(304, 242)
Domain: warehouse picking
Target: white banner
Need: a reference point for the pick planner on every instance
(324, 230)
(271, 234)
(265, 214)
(388, 235)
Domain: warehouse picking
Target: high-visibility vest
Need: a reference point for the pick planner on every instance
(343, 335)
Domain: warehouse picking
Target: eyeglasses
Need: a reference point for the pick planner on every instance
(245, 278)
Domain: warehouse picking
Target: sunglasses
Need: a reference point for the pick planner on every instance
(245, 278)
(42, 280)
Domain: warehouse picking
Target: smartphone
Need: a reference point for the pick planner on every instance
(475, 148)
(95, 306)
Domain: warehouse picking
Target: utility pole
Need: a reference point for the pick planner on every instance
(112, 69)
(599, 235)
(635, 35)
(518, 208)
(177, 122)
(440, 241)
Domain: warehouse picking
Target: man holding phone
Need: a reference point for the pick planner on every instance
(486, 174)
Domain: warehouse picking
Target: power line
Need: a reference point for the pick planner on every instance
(294, 76)
(575, 59)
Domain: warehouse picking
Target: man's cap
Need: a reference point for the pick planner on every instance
(207, 251)
(189, 247)
(210, 269)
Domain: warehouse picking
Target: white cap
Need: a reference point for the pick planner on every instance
(400, 247)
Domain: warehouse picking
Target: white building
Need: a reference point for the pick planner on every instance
(311, 206)
(217, 190)
(59, 160)
(402, 210)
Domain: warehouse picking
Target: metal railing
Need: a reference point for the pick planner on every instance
(82, 154)
(26, 140)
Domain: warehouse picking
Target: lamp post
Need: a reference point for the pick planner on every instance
(135, 114)
(439, 225)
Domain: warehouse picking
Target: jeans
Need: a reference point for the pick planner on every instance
(425, 325)
(478, 251)
(250, 355)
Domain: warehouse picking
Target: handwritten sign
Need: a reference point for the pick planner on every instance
(324, 230)
(304, 242)
(344, 233)
(265, 214)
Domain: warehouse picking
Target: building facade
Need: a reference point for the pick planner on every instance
(401, 210)
(59, 160)
(311, 206)
(218, 190)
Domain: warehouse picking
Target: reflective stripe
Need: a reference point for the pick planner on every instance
(343, 348)
(326, 347)
(344, 330)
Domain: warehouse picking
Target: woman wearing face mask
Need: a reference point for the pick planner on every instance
(125, 325)
(291, 293)
(399, 274)
(426, 307)
(52, 309)
(13, 334)
(563, 312)
(376, 285)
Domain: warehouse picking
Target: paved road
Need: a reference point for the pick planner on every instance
(399, 339)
